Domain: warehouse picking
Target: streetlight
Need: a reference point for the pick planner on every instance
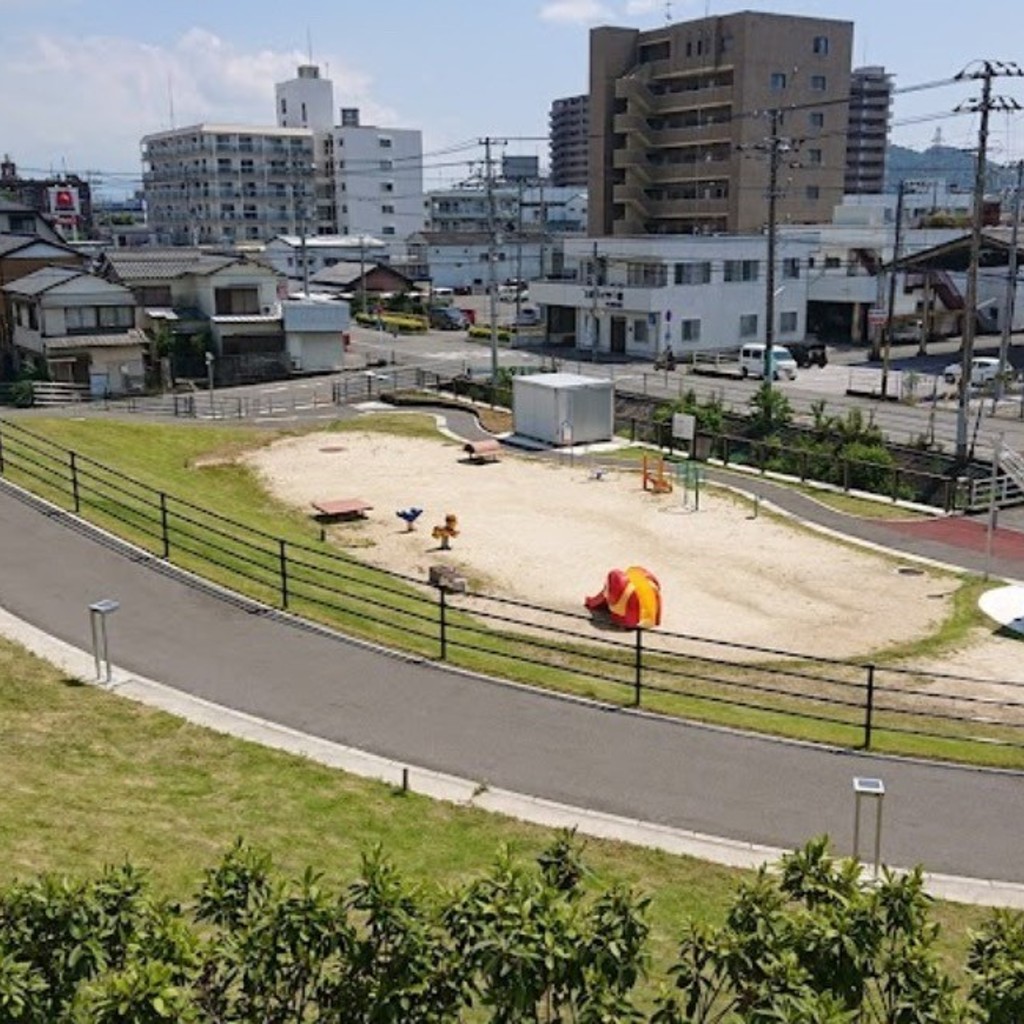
(98, 612)
(875, 789)
(209, 378)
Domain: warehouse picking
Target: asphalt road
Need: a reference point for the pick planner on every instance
(951, 819)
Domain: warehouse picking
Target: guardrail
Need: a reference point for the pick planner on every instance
(846, 703)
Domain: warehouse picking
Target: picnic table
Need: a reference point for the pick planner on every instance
(341, 508)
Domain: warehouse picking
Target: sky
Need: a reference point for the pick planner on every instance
(81, 81)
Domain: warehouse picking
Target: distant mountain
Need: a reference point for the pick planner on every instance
(946, 163)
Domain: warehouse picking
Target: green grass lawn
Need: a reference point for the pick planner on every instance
(92, 779)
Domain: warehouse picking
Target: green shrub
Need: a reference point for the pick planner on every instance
(402, 323)
(484, 331)
(23, 393)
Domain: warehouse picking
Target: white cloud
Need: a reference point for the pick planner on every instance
(85, 103)
(636, 7)
(575, 12)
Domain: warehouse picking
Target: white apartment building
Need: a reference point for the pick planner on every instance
(228, 183)
(369, 180)
(536, 208)
(641, 296)
(224, 183)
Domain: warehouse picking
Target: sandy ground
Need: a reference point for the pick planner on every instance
(546, 531)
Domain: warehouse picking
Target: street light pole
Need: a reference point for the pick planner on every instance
(209, 379)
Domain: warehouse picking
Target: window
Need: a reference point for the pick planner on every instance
(154, 295)
(387, 186)
(384, 143)
(388, 229)
(791, 268)
(689, 330)
(693, 273)
(116, 316)
(284, 105)
(748, 325)
(741, 270)
(387, 208)
(812, 192)
(236, 301)
(80, 318)
(820, 45)
(814, 157)
(386, 165)
(832, 262)
(640, 332)
(818, 83)
(778, 81)
(787, 322)
(816, 119)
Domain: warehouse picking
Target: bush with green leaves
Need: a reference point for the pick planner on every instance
(813, 941)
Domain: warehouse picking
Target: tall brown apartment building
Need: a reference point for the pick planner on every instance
(679, 119)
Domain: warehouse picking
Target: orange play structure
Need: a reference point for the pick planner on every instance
(654, 476)
(632, 598)
(445, 533)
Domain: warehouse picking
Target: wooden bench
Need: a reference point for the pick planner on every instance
(341, 508)
(486, 450)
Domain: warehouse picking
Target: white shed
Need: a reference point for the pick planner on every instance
(563, 408)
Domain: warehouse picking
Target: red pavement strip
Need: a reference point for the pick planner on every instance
(965, 533)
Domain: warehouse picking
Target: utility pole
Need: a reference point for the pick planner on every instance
(1011, 292)
(362, 273)
(492, 257)
(986, 72)
(774, 145)
(595, 277)
(897, 243)
(519, 251)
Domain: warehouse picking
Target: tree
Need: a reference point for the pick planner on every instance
(770, 411)
(815, 943)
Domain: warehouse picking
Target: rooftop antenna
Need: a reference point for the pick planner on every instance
(309, 44)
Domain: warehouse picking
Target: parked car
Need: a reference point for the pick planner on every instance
(809, 352)
(528, 316)
(983, 370)
(752, 362)
(448, 318)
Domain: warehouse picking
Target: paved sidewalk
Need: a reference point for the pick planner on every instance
(637, 771)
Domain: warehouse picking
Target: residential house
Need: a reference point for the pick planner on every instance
(19, 219)
(199, 302)
(296, 257)
(79, 328)
(21, 255)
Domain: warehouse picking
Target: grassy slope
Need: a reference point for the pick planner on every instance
(92, 779)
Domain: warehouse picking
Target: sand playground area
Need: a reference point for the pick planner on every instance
(546, 530)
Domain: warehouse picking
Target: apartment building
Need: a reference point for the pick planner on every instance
(569, 134)
(532, 209)
(679, 137)
(225, 183)
(369, 179)
(868, 130)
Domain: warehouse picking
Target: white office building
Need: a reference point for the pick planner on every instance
(641, 296)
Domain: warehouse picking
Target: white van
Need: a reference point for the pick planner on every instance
(752, 361)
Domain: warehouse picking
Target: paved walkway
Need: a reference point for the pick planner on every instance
(757, 794)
